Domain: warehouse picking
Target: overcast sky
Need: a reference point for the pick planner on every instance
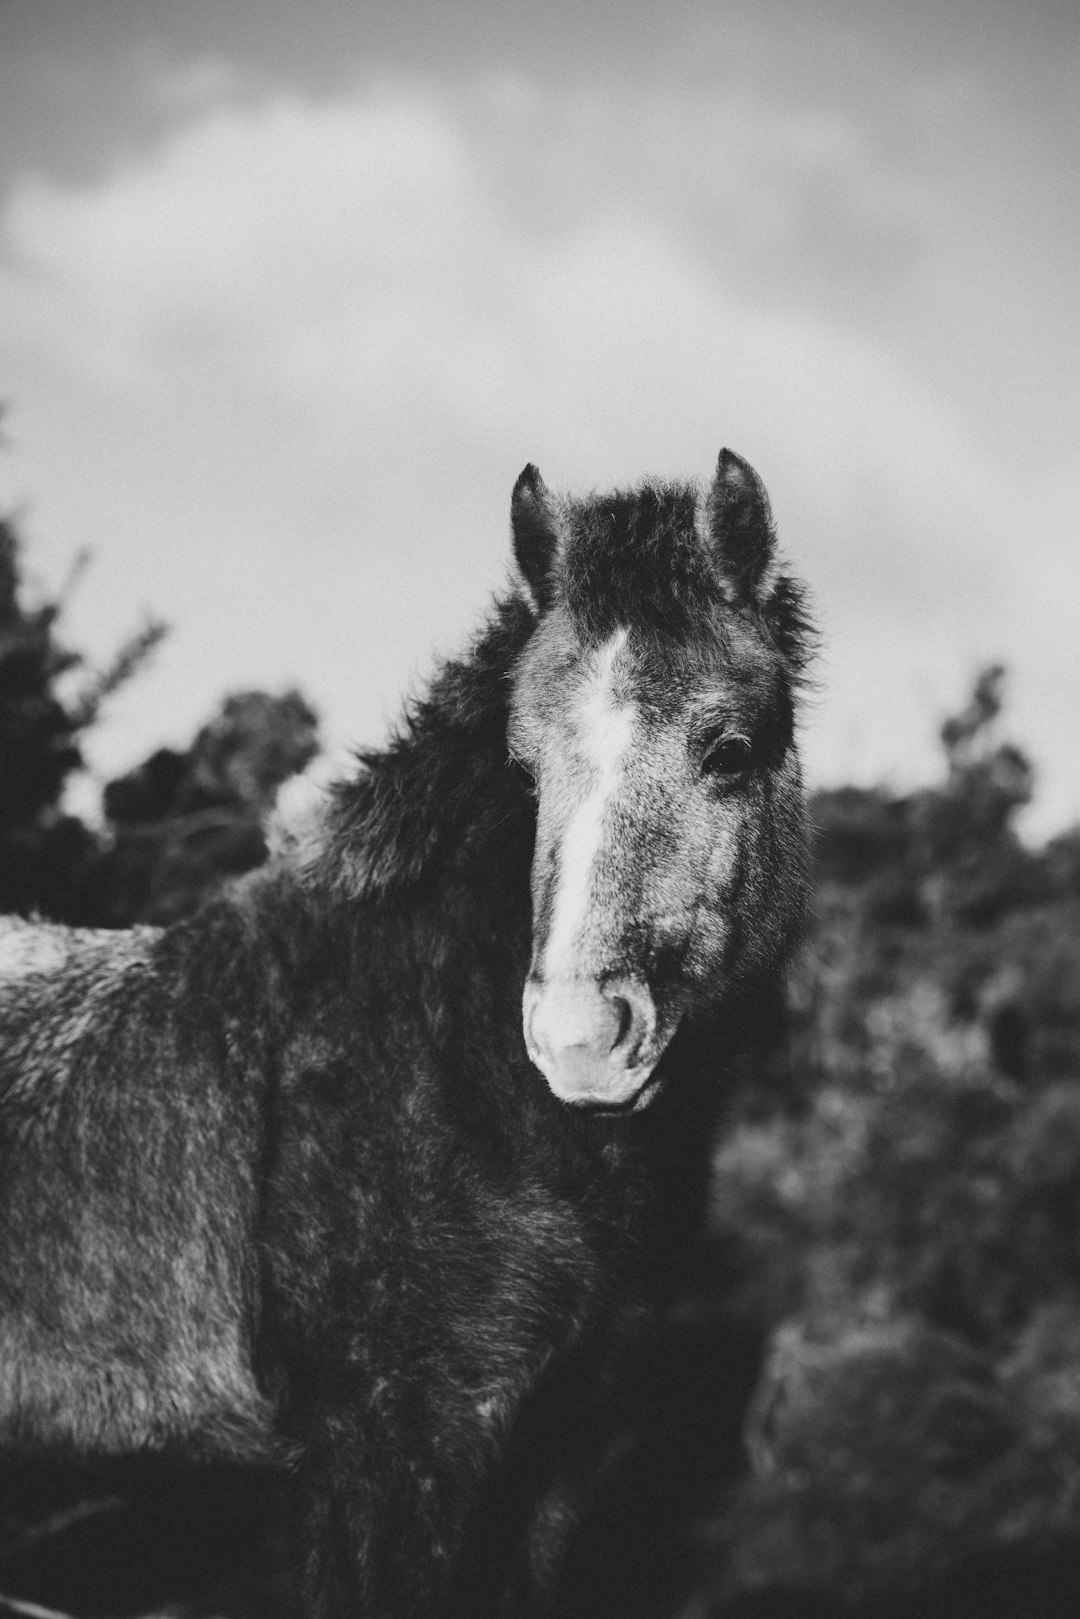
(289, 294)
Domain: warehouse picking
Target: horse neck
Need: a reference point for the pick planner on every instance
(431, 846)
(440, 805)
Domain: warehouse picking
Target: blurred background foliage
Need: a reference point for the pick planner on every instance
(901, 1203)
(868, 1389)
(173, 827)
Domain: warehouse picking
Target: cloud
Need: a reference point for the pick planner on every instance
(281, 372)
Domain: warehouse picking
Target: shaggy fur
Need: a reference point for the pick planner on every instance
(281, 1181)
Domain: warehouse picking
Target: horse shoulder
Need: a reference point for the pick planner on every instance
(127, 1205)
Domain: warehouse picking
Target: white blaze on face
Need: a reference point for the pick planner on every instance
(604, 731)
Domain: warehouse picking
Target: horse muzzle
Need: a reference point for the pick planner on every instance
(596, 1044)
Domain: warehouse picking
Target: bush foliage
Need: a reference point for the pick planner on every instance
(903, 1212)
(174, 827)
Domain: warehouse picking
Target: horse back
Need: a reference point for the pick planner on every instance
(127, 1203)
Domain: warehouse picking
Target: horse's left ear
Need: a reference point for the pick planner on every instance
(536, 534)
(741, 528)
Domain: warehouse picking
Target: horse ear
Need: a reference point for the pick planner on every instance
(536, 533)
(741, 528)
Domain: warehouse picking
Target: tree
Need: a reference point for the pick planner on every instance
(948, 850)
(44, 853)
(175, 826)
(966, 825)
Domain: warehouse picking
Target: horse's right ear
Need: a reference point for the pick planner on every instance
(536, 534)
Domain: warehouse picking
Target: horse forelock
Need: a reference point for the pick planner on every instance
(642, 557)
(634, 557)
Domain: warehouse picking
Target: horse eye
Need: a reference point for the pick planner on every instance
(728, 758)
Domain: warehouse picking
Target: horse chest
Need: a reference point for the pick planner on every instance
(429, 1281)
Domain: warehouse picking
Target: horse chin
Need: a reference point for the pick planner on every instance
(637, 1102)
(596, 1088)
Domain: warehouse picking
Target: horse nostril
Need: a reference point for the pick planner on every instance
(635, 1014)
(625, 1015)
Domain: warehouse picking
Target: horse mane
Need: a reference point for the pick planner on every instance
(440, 789)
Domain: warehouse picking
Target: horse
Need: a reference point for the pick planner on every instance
(376, 1168)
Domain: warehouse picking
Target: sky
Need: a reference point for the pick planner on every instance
(289, 295)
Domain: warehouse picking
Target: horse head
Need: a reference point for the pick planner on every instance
(653, 708)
